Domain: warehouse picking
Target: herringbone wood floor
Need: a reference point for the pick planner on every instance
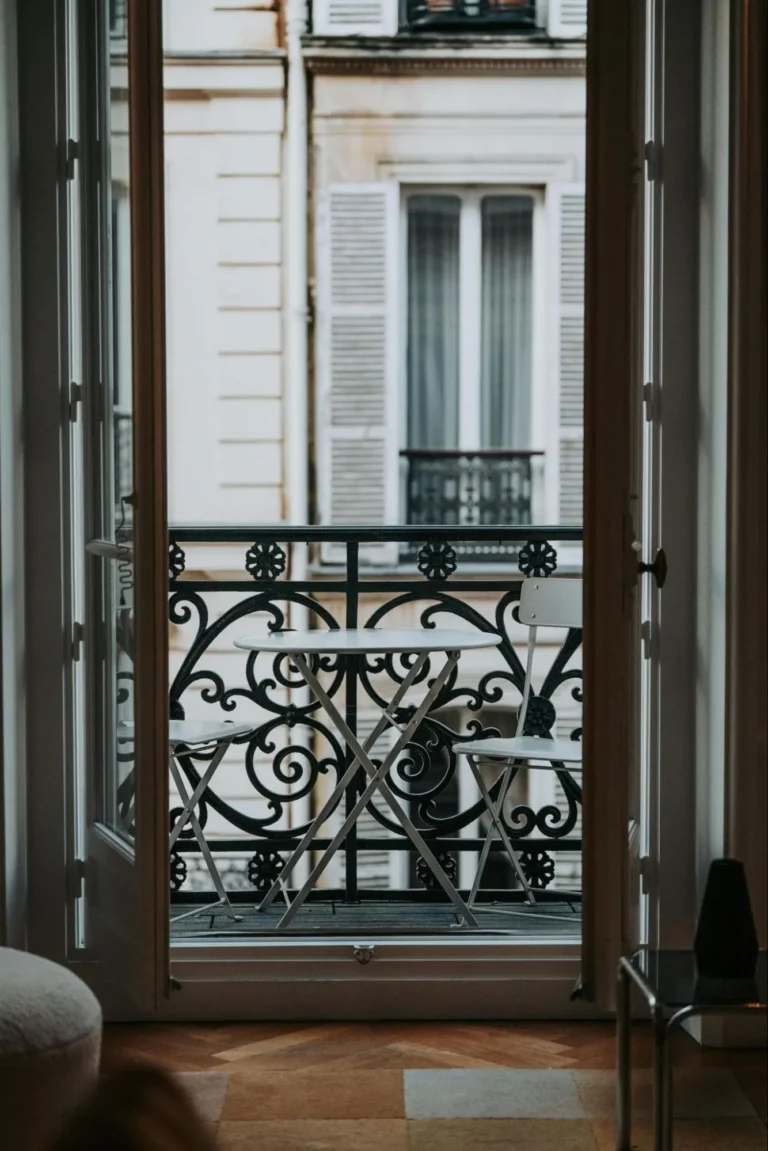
(372, 1046)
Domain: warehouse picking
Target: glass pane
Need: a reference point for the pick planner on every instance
(433, 321)
(507, 290)
(113, 460)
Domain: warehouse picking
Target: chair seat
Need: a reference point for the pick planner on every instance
(523, 747)
(194, 731)
(204, 730)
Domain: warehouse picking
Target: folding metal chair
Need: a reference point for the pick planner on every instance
(543, 603)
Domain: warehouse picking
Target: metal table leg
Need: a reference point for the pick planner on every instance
(623, 1063)
(378, 782)
(338, 791)
(661, 1083)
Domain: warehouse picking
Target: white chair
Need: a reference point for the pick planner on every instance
(543, 603)
(202, 735)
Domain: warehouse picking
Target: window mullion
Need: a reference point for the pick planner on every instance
(470, 307)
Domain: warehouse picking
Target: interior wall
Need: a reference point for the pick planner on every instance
(713, 417)
(12, 792)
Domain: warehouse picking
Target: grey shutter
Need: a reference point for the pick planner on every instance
(567, 19)
(566, 210)
(357, 361)
(354, 17)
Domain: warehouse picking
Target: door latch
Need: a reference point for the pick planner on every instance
(658, 569)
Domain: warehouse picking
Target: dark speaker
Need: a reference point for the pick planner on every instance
(726, 939)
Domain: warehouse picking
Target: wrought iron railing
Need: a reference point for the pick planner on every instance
(294, 756)
(470, 489)
(444, 15)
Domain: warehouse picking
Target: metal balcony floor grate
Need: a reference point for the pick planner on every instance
(336, 918)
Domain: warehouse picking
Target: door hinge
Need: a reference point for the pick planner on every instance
(647, 874)
(649, 401)
(646, 634)
(75, 399)
(76, 873)
(77, 641)
(651, 153)
(72, 156)
(363, 953)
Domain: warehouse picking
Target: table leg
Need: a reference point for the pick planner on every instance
(377, 782)
(662, 1094)
(623, 1063)
(346, 778)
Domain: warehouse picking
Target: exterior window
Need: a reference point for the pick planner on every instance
(469, 323)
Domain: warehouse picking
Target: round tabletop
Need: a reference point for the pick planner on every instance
(369, 641)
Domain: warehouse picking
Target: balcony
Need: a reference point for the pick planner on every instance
(470, 15)
(264, 796)
(470, 489)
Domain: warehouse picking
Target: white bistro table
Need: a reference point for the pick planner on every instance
(356, 643)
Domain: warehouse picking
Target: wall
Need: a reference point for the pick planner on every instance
(224, 119)
(12, 799)
(713, 304)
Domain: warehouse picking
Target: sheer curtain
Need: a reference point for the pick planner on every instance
(507, 321)
(433, 321)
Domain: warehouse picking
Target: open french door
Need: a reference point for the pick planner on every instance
(125, 634)
(641, 336)
(613, 484)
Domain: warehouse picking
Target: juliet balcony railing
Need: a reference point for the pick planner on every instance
(261, 803)
(470, 489)
(468, 15)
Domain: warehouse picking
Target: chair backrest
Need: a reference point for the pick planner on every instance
(545, 603)
(551, 602)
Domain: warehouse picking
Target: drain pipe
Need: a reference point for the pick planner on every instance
(295, 421)
(297, 315)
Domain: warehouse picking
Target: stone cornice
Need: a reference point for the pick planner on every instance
(400, 55)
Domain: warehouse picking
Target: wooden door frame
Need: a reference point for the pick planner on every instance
(611, 332)
(145, 96)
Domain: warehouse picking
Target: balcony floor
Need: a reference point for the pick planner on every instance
(383, 917)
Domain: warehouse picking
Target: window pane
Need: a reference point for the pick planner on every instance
(433, 321)
(507, 328)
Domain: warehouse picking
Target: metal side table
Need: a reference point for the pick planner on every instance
(674, 992)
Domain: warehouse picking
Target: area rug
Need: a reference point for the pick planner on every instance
(341, 1109)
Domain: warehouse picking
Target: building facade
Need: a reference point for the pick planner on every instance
(374, 227)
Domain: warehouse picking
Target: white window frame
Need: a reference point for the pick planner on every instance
(470, 307)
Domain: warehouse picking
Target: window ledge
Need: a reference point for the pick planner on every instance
(409, 51)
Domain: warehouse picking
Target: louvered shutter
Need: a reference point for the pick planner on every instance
(567, 19)
(357, 360)
(354, 17)
(565, 204)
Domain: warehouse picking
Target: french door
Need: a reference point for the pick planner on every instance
(123, 395)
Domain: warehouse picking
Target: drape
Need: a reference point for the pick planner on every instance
(433, 321)
(505, 382)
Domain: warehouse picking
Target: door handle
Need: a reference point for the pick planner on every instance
(658, 569)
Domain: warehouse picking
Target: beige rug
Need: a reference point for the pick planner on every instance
(207, 1091)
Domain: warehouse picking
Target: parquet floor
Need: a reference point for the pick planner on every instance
(443, 1086)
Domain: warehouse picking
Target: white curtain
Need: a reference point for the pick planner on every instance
(433, 321)
(506, 323)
